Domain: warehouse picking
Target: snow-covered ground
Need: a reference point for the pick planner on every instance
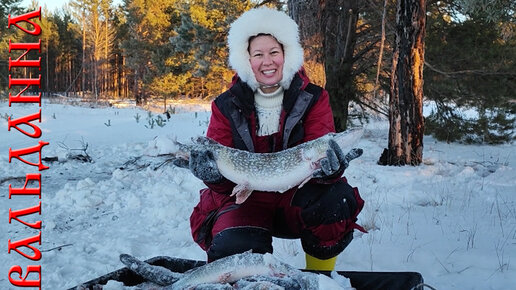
(453, 219)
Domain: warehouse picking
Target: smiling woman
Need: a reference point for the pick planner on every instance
(266, 57)
(272, 107)
(258, 22)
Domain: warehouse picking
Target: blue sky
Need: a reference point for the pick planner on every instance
(52, 4)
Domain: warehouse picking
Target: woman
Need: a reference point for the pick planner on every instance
(270, 106)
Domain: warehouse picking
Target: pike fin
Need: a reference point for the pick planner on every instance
(202, 140)
(305, 181)
(225, 277)
(242, 192)
(315, 164)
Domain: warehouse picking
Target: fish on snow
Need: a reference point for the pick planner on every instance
(273, 172)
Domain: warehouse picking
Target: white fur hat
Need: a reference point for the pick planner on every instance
(268, 21)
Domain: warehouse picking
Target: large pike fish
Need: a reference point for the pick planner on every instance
(274, 172)
(239, 269)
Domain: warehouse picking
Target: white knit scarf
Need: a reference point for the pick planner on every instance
(268, 107)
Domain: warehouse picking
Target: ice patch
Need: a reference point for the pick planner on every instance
(115, 285)
(342, 281)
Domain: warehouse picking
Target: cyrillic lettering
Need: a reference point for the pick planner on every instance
(35, 209)
(26, 243)
(25, 120)
(17, 153)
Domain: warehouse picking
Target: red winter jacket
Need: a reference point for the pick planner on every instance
(306, 115)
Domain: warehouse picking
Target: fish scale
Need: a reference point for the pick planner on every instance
(272, 172)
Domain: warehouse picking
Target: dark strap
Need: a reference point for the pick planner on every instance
(207, 225)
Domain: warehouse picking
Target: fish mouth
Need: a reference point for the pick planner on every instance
(348, 138)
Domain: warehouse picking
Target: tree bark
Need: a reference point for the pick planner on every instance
(306, 13)
(338, 23)
(406, 93)
(83, 77)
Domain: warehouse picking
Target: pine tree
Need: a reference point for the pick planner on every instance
(150, 24)
(13, 8)
(67, 72)
(97, 40)
(406, 123)
(49, 43)
(470, 66)
(117, 59)
(200, 52)
(339, 23)
(305, 14)
(345, 40)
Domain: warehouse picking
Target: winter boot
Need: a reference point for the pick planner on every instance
(312, 263)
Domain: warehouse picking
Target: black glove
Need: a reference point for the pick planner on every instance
(203, 166)
(335, 161)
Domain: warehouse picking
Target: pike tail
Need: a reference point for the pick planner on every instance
(156, 274)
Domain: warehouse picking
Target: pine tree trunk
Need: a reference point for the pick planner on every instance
(338, 23)
(305, 14)
(406, 96)
(107, 89)
(83, 76)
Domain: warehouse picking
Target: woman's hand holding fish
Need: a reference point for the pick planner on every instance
(335, 161)
(203, 166)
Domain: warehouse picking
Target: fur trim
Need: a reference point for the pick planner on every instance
(268, 21)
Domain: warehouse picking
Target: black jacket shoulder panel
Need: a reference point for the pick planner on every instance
(235, 111)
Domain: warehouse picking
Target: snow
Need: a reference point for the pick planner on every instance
(453, 218)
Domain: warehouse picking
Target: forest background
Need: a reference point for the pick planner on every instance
(153, 51)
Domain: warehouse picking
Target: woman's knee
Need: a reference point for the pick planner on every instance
(329, 213)
(326, 204)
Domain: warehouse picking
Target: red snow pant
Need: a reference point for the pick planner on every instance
(323, 216)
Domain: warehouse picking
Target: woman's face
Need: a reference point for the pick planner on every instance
(266, 57)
